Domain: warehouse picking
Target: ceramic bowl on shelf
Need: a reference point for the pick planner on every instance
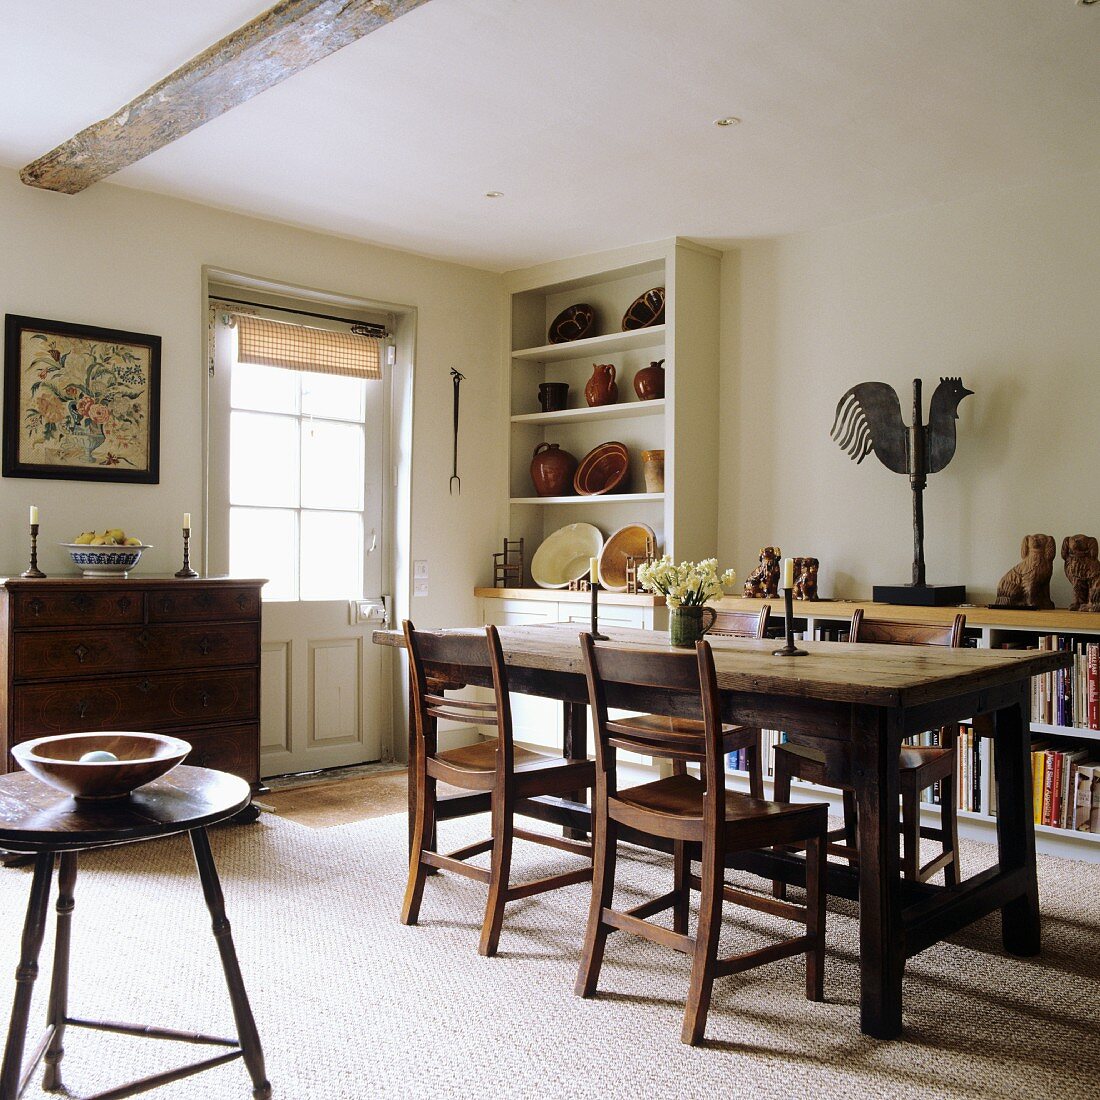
(602, 469)
(125, 761)
(565, 555)
(634, 540)
(104, 561)
(572, 323)
(646, 310)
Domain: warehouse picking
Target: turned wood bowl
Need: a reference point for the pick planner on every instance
(142, 757)
(602, 469)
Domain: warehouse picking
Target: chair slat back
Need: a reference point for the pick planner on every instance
(903, 633)
(658, 683)
(741, 624)
(441, 662)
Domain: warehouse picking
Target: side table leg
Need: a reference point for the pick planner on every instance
(34, 928)
(59, 983)
(242, 1011)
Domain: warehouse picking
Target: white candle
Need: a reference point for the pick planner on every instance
(788, 572)
(594, 570)
(34, 513)
(187, 520)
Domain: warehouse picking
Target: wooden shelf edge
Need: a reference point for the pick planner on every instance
(592, 345)
(624, 410)
(605, 498)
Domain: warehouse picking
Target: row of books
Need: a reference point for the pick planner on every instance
(1065, 787)
(1068, 697)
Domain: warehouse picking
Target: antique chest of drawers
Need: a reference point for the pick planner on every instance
(182, 656)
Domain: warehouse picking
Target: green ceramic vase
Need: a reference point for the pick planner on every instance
(686, 625)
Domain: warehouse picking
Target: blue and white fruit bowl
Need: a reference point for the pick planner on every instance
(104, 561)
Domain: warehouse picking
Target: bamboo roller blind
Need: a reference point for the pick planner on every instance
(278, 344)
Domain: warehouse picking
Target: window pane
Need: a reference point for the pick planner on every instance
(333, 396)
(332, 465)
(262, 543)
(265, 389)
(332, 556)
(263, 460)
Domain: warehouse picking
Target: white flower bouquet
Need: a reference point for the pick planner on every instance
(689, 584)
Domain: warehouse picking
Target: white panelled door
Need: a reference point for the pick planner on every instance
(294, 494)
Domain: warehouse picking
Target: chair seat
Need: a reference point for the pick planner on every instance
(675, 732)
(482, 757)
(682, 796)
(913, 758)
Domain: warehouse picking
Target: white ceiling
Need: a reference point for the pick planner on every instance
(594, 117)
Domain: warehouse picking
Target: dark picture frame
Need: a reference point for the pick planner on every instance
(81, 403)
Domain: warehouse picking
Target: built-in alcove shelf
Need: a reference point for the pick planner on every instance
(625, 411)
(608, 344)
(605, 498)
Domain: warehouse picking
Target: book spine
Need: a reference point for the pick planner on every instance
(1038, 769)
(1094, 686)
(1048, 786)
(1094, 812)
(1082, 798)
(976, 768)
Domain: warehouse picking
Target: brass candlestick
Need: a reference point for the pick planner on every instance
(34, 572)
(186, 571)
(789, 650)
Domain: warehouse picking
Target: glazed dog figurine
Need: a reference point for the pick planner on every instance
(1079, 552)
(805, 578)
(763, 581)
(1027, 584)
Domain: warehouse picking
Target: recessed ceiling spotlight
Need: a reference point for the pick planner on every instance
(494, 194)
(728, 120)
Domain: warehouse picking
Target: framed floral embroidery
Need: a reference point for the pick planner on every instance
(80, 403)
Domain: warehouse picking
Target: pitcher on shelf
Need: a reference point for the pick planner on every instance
(601, 388)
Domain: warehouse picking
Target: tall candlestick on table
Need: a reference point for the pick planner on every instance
(789, 650)
(594, 586)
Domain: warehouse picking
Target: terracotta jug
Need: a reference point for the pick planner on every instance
(601, 388)
(552, 471)
(649, 382)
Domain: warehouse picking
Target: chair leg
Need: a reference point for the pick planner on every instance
(815, 919)
(851, 825)
(604, 851)
(706, 948)
(949, 825)
(682, 886)
(910, 831)
(781, 793)
(756, 768)
(423, 833)
(500, 870)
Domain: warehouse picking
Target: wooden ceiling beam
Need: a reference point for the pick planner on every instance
(282, 41)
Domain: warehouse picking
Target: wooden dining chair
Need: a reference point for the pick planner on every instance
(729, 624)
(688, 811)
(438, 663)
(921, 766)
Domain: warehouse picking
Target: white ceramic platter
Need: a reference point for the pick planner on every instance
(564, 556)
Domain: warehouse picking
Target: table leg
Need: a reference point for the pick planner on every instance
(59, 982)
(242, 1012)
(34, 928)
(876, 746)
(1020, 929)
(575, 747)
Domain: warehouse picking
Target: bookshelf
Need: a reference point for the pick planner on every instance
(985, 628)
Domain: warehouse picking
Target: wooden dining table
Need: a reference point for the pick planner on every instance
(856, 703)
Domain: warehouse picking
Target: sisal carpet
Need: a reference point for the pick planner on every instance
(342, 801)
(352, 1005)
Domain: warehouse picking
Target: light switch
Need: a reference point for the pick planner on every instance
(420, 570)
(420, 588)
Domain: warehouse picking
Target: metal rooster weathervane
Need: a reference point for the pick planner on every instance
(868, 418)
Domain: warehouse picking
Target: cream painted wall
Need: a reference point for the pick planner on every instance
(128, 259)
(1002, 291)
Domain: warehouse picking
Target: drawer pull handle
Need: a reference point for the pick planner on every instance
(81, 603)
(145, 686)
(204, 600)
(204, 698)
(35, 606)
(81, 709)
(124, 604)
(166, 604)
(143, 638)
(204, 646)
(81, 652)
(242, 601)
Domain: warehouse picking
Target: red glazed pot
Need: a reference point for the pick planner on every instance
(601, 388)
(649, 382)
(552, 471)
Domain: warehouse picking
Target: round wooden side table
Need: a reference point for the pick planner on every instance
(38, 820)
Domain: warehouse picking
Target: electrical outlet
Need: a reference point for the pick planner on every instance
(420, 570)
(420, 588)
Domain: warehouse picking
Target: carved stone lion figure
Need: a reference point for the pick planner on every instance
(1079, 552)
(763, 581)
(805, 578)
(1028, 583)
